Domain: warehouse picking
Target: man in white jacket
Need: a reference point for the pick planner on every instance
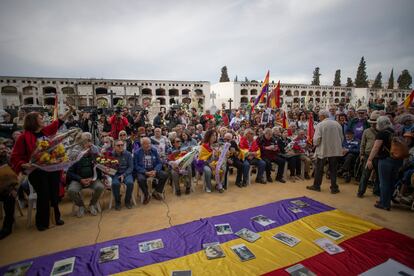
(328, 141)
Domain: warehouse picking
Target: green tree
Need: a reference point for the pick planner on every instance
(361, 79)
(349, 82)
(378, 81)
(224, 75)
(316, 76)
(391, 80)
(337, 81)
(405, 80)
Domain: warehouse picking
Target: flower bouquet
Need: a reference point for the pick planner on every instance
(107, 164)
(51, 154)
(218, 164)
(294, 148)
(182, 159)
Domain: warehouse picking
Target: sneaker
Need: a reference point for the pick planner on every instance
(128, 205)
(281, 180)
(208, 190)
(81, 212)
(187, 191)
(93, 210)
(178, 193)
(313, 188)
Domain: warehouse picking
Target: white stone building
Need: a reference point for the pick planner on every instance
(17, 91)
(241, 93)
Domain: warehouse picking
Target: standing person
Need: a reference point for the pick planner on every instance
(123, 175)
(367, 142)
(158, 120)
(328, 141)
(387, 166)
(359, 124)
(46, 184)
(19, 120)
(118, 123)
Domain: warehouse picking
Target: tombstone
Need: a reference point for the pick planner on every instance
(213, 107)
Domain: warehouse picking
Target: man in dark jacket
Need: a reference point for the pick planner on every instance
(269, 149)
(147, 163)
(123, 175)
(81, 176)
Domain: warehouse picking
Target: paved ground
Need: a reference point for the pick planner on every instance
(25, 243)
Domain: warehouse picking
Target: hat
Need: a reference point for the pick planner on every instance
(362, 108)
(374, 116)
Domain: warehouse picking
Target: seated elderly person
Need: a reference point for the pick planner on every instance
(161, 143)
(81, 176)
(123, 175)
(147, 163)
(173, 153)
(302, 142)
(350, 150)
(269, 151)
(234, 160)
(251, 152)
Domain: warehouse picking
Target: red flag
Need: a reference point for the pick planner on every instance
(285, 123)
(311, 129)
(273, 101)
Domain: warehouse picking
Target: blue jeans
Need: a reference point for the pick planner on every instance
(388, 174)
(116, 187)
(259, 163)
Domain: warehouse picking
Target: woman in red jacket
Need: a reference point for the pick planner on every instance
(46, 184)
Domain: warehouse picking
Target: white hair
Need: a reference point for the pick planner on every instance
(247, 131)
(324, 113)
(383, 122)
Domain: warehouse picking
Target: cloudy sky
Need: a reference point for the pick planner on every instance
(192, 40)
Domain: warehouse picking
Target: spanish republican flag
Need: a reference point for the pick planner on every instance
(409, 100)
(273, 101)
(311, 130)
(263, 91)
(55, 110)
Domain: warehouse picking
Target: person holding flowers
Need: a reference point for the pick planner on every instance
(46, 184)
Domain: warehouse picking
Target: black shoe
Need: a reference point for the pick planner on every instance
(128, 205)
(347, 178)
(260, 181)
(41, 228)
(269, 179)
(157, 195)
(281, 180)
(360, 195)
(178, 193)
(334, 191)
(313, 188)
(59, 222)
(187, 191)
(244, 184)
(239, 185)
(146, 199)
(118, 206)
(5, 232)
(307, 176)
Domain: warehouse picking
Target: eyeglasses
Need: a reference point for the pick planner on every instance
(122, 134)
(120, 145)
(177, 141)
(142, 136)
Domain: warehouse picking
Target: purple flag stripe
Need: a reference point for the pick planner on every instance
(179, 241)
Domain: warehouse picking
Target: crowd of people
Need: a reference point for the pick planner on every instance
(372, 145)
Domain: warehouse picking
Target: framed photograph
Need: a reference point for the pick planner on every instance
(63, 267)
(150, 245)
(109, 253)
(295, 210)
(390, 267)
(328, 245)
(299, 270)
(223, 229)
(299, 203)
(286, 239)
(18, 269)
(213, 250)
(262, 220)
(181, 273)
(243, 252)
(248, 235)
(330, 233)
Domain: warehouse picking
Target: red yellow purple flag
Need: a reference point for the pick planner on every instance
(311, 129)
(273, 100)
(263, 91)
(409, 100)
